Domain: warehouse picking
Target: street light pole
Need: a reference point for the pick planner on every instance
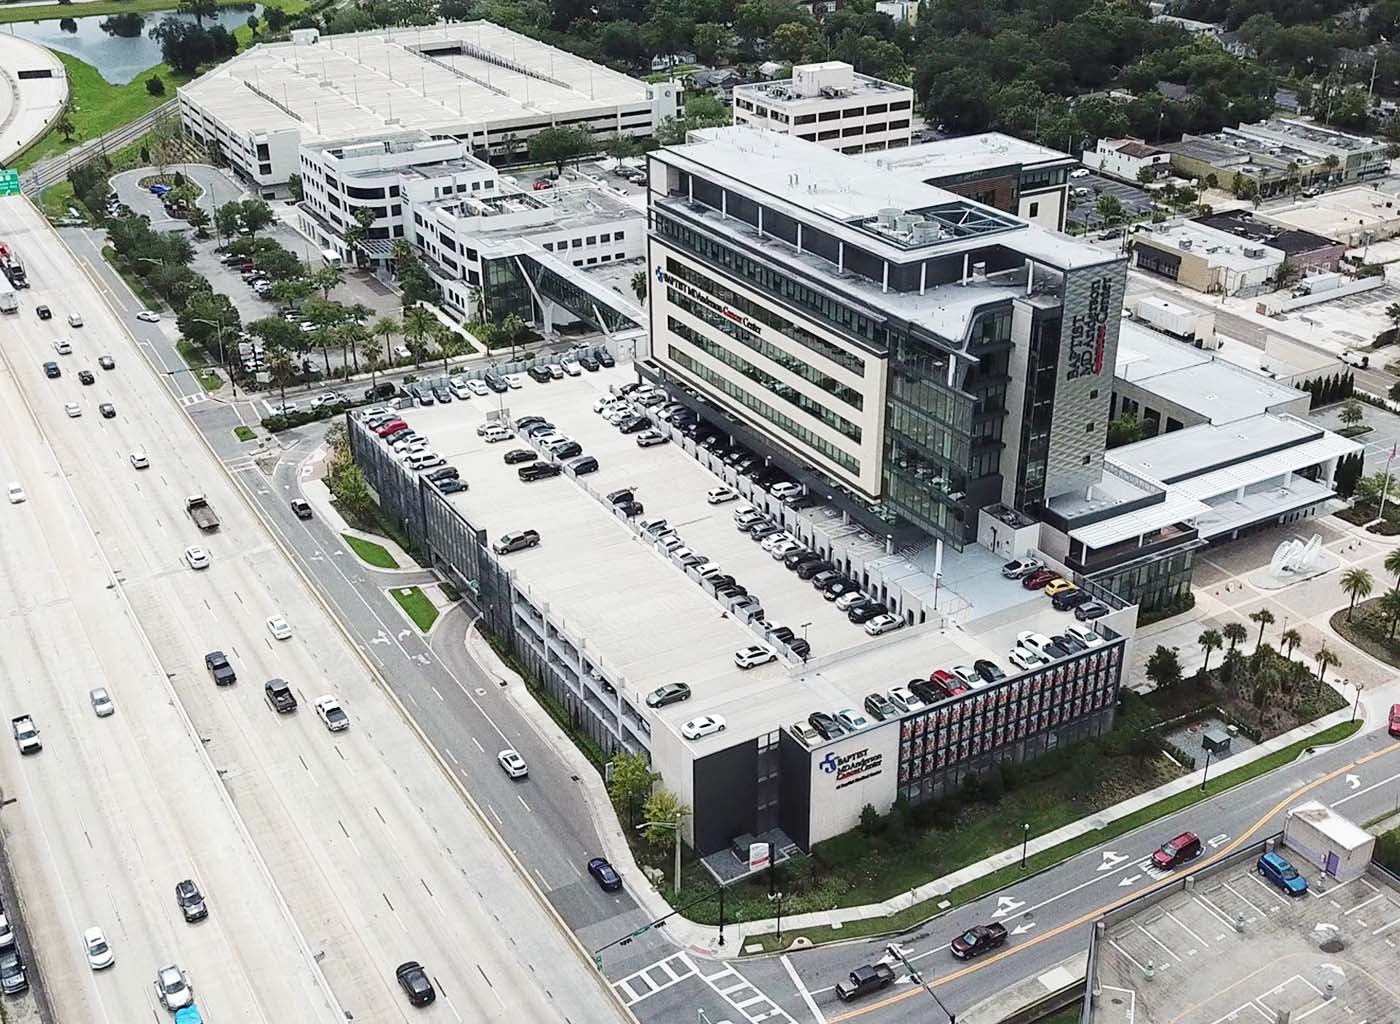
(1025, 842)
(674, 826)
(1357, 705)
(917, 978)
(1205, 774)
(218, 326)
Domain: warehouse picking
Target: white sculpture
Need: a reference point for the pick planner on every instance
(1293, 556)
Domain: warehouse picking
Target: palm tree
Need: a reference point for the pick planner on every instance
(1325, 659)
(1234, 632)
(417, 323)
(1265, 618)
(279, 361)
(639, 285)
(373, 360)
(1356, 584)
(1291, 639)
(1390, 608)
(450, 345)
(1210, 641)
(386, 327)
(1392, 566)
(352, 336)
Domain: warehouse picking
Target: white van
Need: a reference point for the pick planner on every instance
(493, 432)
(426, 459)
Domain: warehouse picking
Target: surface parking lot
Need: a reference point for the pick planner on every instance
(1238, 950)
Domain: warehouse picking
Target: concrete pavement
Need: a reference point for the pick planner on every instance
(33, 92)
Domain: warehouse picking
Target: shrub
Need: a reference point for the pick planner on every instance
(870, 821)
(155, 86)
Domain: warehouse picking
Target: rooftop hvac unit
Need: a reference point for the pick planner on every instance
(926, 231)
(885, 218)
(1253, 252)
(979, 271)
(1184, 243)
(905, 222)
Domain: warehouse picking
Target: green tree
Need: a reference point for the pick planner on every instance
(256, 215)
(792, 42)
(295, 186)
(1234, 632)
(1351, 413)
(65, 126)
(199, 220)
(1263, 617)
(357, 232)
(559, 145)
(1164, 667)
(1291, 640)
(664, 806)
(282, 366)
(1109, 208)
(1390, 609)
(1324, 659)
(326, 280)
(418, 323)
(200, 9)
(386, 327)
(639, 285)
(1126, 429)
(1392, 565)
(1356, 584)
(227, 218)
(1145, 175)
(710, 40)
(632, 779)
(450, 344)
(374, 359)
(1209, 640)
(155, 85)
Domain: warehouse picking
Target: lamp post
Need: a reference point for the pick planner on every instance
(914, 976)
(775, 896)
(1025, 842)
(218, 326)
(1206, 773)
(1357, 704)
(674, 826)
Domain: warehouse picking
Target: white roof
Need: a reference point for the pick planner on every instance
(1174, 508)
(967, 153)
(1218, 248)
(1265, 467)
(1345, 832)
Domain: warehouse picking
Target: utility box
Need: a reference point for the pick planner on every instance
(1180, 322)
(1217, 741)
(1327, 840)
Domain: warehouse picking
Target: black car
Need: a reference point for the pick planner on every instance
(380, 391)
(631, 509)
(444, 473)
(807, 570)
(605, 359)
(451, 486)
(539, 373)
(12, 977)
(838, 588)
(107, 410)
(634, 425)
(827, 727)
(527, 421)
(442, 393)
(588, 363)
(1067, 599)
(782, 634)
(51, 370)
(800, 647)
(538, 427)
(538, 471)
(106, 362)
(800, 501)
(415, 984)
(928, 692)
(618, 497)
(763, 529)
(799, 558)
(518, 455)
(301, 508)
(585, 464)
(279, 696)
(568, 450)
(1070, 644)
(496, 383)
(218, 665)
(1090, 610)
(989, 670)
(604, 874)
(865, 611)
(191, 901)
(44, 312)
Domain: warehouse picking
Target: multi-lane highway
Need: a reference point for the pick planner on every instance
(361, 850)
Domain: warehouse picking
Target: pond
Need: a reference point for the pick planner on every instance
(117, 58)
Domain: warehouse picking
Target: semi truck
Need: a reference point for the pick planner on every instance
(8, 302)
(1180, 322)
(12, 267)
(203, 514)
(26, 735)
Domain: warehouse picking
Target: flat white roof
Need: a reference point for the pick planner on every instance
(1218, 248)
(947, 157)
(461, 76)
(1197, 450)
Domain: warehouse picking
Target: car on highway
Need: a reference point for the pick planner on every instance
(671, 693)
(512, 764)
(754, 655)
(73, 410)
(13, 980)
(107, 410)
(415, 984)
(301, 508)
(1274, 867)
(219, 668)
(173, 988)
(148, 316)
(197, 557)
(1176, 852)
(278, 627)
(52, 370)
(978, 940)
(86, 377)
(75, 319)
(705, 725)
(279, 696)
(15, 492)
(63, 346)
(44, 312)
(139, 460)
(102, 705)
(604, 874)
(106, 362)
(864, 980)
(98, 949)
(191, 901)
(330, 712)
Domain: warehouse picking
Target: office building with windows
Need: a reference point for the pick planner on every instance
(831, 105)
(923, 354)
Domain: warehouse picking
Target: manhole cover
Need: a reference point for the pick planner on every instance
(1116, 1001)
(1333, 946)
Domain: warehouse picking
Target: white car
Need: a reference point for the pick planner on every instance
(277, 626)
(651, 438)
(7, 934)
(459, 388)
(62, 347)
(512, 764)
(555, 370)
(514, 381)
(326, 398)
(173, 988)
(73, 409)
(328, 709)
(1084, 635)
(705, 725)
(756, 654)
(402, 352)
(1036, 642)
(845, 601)
(786, 489)
(881, 624)
(99, 953)
(1080, 173)
(16, 492)
(572, 369)
(851, 720)
(102, 705)
(197, 557)
(604, 403)
(1025, 660)
(478, 388)
(769, 543)
(783, 549)
(139, 461)
(75, 320)
(285, 409)
(719, 495)
(904, 699)
(149, 316)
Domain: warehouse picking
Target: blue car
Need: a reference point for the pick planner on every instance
(1276, 869)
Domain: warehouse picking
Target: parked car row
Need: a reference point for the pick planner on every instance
(1064, 595)
(413, 449)
(660, 533)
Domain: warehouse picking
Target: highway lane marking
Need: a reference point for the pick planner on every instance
(524, 804)
(1095, 914)
(437, 693)
(1363, 792)
(451, 756)
(541, 878)
(478, 744)
(802, 990)
(499, 819)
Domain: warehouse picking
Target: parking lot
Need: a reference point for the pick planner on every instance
(1238, 949)
(1083, 207)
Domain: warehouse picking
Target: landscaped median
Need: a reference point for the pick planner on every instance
(1004, 877)
(417, 606)
(369, 552)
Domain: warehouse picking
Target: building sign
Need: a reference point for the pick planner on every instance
(760, 855)
(691, 292)
(847, 769)
(1088, 331)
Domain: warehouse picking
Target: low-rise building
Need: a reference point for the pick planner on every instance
(1358, 157)
(1126, 159)
(831, 105)
(1206, 259)
(1306, 251)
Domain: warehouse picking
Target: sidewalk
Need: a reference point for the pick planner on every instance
(703, 937)
(318, 496)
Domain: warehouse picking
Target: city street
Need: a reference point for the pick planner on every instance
(378, 857)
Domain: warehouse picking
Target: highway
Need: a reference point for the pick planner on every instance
(376, 853)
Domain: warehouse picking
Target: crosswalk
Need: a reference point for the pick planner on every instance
(194, 399)
(724, 981)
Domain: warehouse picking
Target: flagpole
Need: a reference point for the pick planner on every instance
(1385, 486)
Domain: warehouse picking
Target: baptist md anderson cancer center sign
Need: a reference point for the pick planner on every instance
(859, 770)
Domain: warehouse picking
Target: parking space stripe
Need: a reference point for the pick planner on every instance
(1363, 903)
(1127, 955)
(1159, 942)
(1257, 908)
(1188, 931)
(1215, 911)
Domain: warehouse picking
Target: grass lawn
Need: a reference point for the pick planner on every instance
(421, 610)
(370, 553)
(248, 434)
(96, 106)
(48, 12)
(1055, 855)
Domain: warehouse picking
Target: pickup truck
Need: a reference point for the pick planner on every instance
(978, 940)
(26, 736)
(870, 978)
(199, 509)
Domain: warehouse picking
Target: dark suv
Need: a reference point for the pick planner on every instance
(538, 471)
(415, 984)
(279, 695)
(191, 901)
(218, 665)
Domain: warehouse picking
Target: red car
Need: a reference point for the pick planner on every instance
(1395, 719)
(1178, 851)
(392, 427)
(1037, 580)
(950, 684)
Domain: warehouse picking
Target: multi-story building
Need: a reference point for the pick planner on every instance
(999, 170)
(484, 85)
(831, 105)
(1126, 159)
(1358, 157)
(929, 360)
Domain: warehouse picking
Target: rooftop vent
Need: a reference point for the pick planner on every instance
(885, 218)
